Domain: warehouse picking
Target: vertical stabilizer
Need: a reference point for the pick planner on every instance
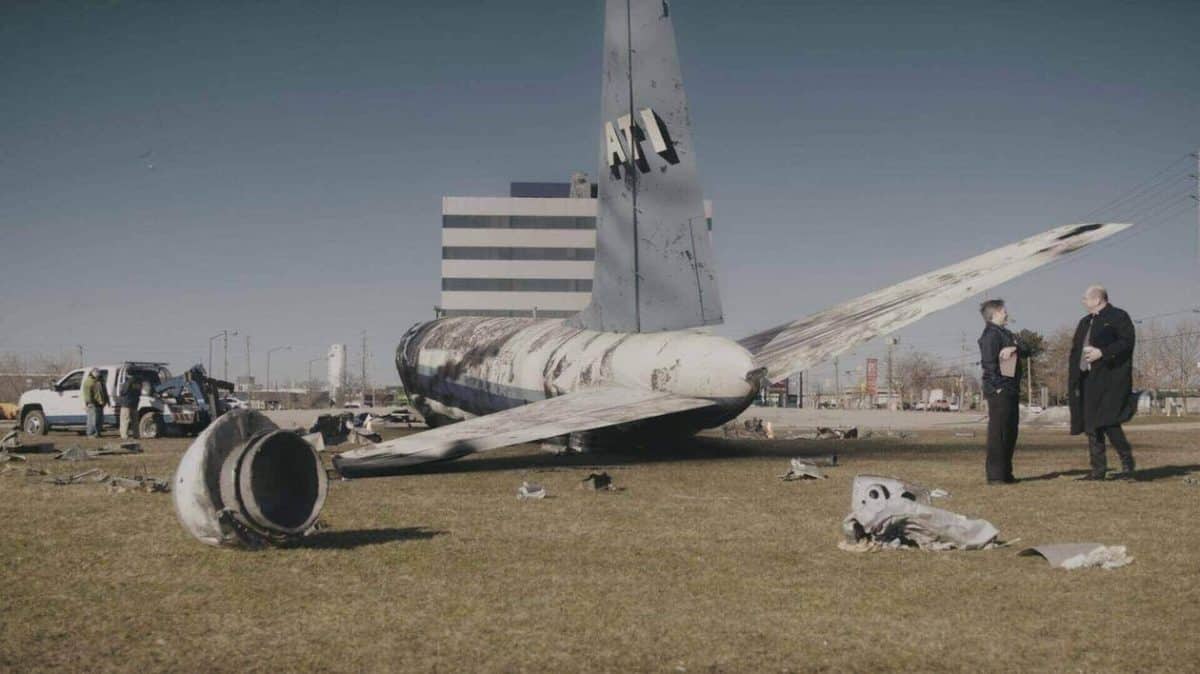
(654, 265)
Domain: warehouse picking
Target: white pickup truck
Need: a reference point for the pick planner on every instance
(61, 405)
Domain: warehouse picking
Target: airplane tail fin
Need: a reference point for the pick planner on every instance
(654, 265)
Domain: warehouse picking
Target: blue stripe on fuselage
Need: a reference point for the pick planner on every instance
(474, 395)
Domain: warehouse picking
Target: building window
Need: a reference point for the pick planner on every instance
(554, 285)
(516, 253)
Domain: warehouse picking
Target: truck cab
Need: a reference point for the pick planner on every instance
(60, 405)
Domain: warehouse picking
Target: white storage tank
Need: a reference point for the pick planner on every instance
(337, 373)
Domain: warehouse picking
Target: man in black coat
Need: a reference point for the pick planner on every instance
(1101, 381)
(1000, 389)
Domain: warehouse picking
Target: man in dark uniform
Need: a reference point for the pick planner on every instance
(1101, 381)
(1000, 389)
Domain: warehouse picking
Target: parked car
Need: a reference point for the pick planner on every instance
(160, 405)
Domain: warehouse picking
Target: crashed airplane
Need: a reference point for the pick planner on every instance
(636, 363)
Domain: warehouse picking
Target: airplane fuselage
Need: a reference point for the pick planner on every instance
(458, 368)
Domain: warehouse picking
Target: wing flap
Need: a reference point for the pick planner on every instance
(796, 346)
(578, 411)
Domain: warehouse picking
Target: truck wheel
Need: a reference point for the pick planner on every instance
(35, 423)
(149, 425)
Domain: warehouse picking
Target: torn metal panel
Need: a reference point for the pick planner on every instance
(579, 411)
(1080, 555)
(801, 469)
(887, 512)
(654, 265)
(531, 492)
(796, 346)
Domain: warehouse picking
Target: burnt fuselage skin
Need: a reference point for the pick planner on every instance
(458, 368)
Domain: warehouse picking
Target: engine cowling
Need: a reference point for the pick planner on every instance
(245, 483)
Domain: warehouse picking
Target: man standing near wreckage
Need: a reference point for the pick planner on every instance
(95, 397)
(998, 353)
(1101, 381)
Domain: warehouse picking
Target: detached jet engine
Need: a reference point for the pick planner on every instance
(632, 362)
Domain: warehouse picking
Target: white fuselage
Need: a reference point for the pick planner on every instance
(457, 368)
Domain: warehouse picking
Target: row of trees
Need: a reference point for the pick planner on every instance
(1166, 360)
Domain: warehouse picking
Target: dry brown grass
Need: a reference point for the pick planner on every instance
(704, 562)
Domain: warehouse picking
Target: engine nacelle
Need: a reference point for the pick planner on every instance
(245, 483)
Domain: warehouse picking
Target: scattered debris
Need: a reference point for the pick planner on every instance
(316, 439)
(964, 434)
(92, 476)
(1191, 479)
(1080, 555)
(150, 485)
(824, 433)
(11, 440)
(889, 513)
(597, 482)
(902, 435)
(753, 427)
(801, 469)
(77, 453)
(122, 448)
(528, 491)
(5, 457)
(74, 453)
(334, 428)
(939, 493)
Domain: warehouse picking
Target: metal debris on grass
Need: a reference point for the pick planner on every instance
(77, 453)
(801, 469)
(888, 513)
(1080, 555)
(529, 491)
(92, 476)
(597, 482)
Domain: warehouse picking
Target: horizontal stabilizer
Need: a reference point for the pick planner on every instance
(797, 346)
(579, 411)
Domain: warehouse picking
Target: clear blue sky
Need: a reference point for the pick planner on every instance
(171, 169)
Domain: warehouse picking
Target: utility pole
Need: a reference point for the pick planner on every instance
(80, 347)
(225, 369)
(364, 368)
(891, 344)
(837, 381)
(249, 381)
(1196, 196)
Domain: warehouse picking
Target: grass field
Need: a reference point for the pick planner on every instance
(704, 561)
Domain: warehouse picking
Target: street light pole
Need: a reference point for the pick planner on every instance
(308, 382)
(225, 369)
(225, 334)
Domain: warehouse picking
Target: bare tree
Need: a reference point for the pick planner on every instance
(914, 372)
(1182, 351)
(1053, 364)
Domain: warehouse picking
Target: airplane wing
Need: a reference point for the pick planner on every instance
(796, 346)
(579, 411)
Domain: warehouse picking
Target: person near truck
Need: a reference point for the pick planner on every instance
(95, 397)
(1101, 381)
(127, 401)
(998, 350)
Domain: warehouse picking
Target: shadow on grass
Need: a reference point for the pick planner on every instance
(1161, 472)
(357, 538)
(1144, 475)
(698, 448)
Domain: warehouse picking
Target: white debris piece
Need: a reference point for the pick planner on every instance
(1080, 555)
(890, 513)
(802, 470)
(528, 491)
